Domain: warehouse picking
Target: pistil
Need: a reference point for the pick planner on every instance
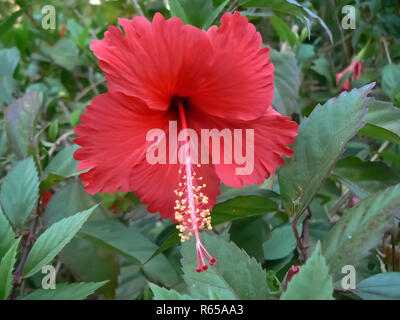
(190, 207)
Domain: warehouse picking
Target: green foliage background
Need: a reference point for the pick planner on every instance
(109, 247)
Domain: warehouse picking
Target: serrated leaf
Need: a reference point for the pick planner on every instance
(360, 229)
(6, 234)
(86, 260)
(66, 291)
(20, 122)
(53, 240)
(234, 276)
(20, 191)
(286, 82)
(6, 269)
(164, 294)
(313, 281)
(383, 121)
(9, 59)
(320, 142)
(382, 286)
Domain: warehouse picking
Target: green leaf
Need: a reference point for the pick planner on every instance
(360, 229)
(382, 286)
(241, 207)
(199, 13)
(91, 263)
(286, 82)
(66, 291)
(290, 7)
(364, 178)
(53, 240)
(3, 142)
(62, 166)
(6, 269)
(320, 142)
(283, 30)
(164, 294)
(133, 245)
(79, 34)
(160, 270)
(178, 11)
(130, 281)
(10, 21)
(281, 243)
(53, 130)
(65, 54)
(117, 237)
(390, 81)
(6, 234)
(9, 59)
(20, 122)
(211, 19)
(313, 281)
(20, 191)
(249, 234)
(234, 276)
(383, 121)
(324, 69)
(86, 260)
(68, 200)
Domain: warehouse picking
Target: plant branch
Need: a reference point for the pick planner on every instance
(385, 45)
(18, 276)
(305, 238)
(59, 140)
(137, 7)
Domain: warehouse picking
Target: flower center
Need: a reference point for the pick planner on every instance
(190, 206)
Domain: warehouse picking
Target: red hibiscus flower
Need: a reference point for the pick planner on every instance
(355, 66)
(163, 71)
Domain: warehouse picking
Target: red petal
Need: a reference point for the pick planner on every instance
(112, 136)
(155, 184)
(272, 135)
(154, 61)
(241, 83)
